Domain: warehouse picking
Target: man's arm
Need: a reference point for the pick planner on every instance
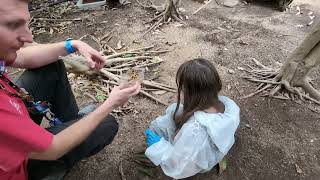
(72, 136)
(39, 55)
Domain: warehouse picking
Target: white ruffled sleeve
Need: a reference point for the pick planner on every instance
(164, 125)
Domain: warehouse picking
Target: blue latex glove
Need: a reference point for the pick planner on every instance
(151, 137)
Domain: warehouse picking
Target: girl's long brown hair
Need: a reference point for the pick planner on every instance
(200, 84)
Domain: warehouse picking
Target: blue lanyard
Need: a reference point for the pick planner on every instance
(36, 107)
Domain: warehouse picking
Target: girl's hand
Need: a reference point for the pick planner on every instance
(152, 137)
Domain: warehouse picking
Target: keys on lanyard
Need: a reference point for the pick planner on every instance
(44, 108)
(2, 67)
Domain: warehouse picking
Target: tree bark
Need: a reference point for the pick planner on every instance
(293, 74)
(301, 61)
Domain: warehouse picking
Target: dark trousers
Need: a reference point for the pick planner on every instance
(50, 83)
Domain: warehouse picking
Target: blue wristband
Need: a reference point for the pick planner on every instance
(69, 47)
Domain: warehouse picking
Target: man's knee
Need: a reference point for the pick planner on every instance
(110, 124)
(98, 139)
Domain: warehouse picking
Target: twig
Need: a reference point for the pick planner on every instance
(57, 2)
(236, 87)
(150, 29)
(154, 98)
(109, 62)
(126, 64)
(110, 82)
(164, 85)
(262, 81)
(109, 47)
(159, 86)
(150, 64)
(144, 6)
(15, 72)
(143, 48)
(133, 51)
(116, 69)
(158, 16)
(91, 96)
(256, 92)
(123, 177)
(156, 52)
(280, 97)
(105, 36)
(202, 7)
(109, 75)
(148, 89)
(50, 19)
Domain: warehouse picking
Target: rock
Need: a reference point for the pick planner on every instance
(230, 3)
(231, 71)
(247, 126)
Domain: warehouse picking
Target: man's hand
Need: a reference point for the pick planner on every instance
(94, 59)
(120, 95)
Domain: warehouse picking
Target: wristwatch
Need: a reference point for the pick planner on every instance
(69, 47)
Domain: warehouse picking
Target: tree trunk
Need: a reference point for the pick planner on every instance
(170, 10)
(301, 61)
(293, 74)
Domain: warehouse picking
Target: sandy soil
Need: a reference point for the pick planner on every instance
(276, 139)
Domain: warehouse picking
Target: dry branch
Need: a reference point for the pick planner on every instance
(116, 65)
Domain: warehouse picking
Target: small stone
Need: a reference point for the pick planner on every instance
(299, 26)
(231, 71)
(182, 10)
(248, 126)
(299, 170)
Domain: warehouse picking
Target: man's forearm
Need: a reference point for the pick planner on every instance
(72, 136)
(39, 55)
(79, 131)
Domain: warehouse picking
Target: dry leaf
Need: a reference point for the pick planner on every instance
(119, 46)
(222, 166)
(299, 11)
(299, 170)
(51, 31)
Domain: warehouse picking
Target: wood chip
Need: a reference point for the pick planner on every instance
(298, 169)
(160, 92)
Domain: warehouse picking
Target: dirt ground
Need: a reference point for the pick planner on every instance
(276, 139)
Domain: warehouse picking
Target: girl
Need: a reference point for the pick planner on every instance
(192, 138)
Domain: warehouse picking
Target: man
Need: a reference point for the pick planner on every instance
(26, 149)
